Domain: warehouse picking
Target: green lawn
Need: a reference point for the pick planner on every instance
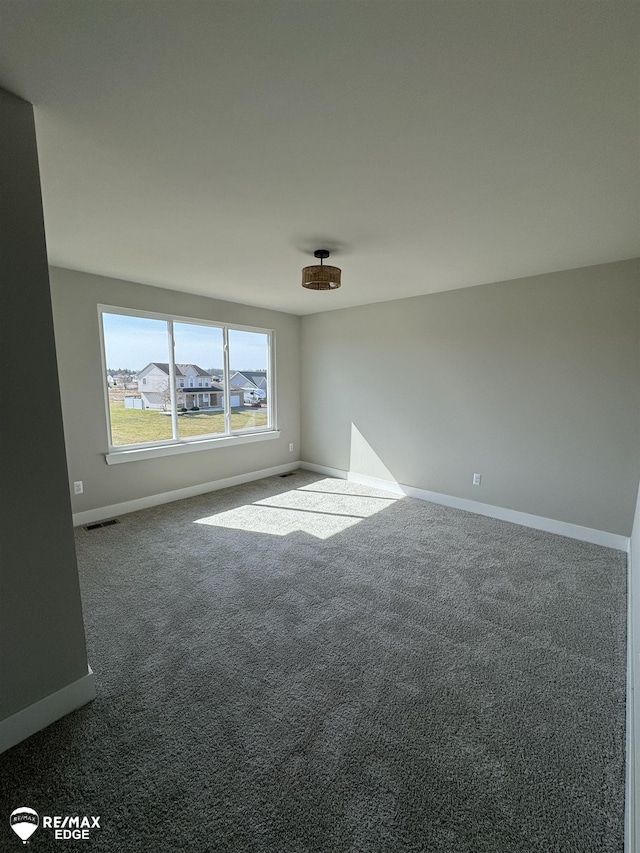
(132, 426)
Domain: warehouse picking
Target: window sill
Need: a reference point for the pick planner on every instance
(135, 454)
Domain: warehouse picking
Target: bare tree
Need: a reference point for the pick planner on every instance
(165, 394)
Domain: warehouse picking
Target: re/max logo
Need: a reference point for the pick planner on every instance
(67, 822)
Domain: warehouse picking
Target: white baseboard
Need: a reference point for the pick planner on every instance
(100, 513)
(549, 525)
(41, 714)
(338, 473)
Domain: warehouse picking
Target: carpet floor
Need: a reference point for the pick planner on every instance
(303, 664)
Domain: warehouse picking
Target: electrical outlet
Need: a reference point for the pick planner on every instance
(291, 448)
(78, 488)
(477, 479)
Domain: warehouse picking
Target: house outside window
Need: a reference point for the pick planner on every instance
(157, 417)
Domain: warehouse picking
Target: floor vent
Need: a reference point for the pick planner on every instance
(96, 524)
(288, 474)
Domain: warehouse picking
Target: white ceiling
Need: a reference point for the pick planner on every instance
(211, 146)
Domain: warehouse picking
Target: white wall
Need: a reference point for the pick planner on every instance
(533, 383)
(75, 298)
(42, 643)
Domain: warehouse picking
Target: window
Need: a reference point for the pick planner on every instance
(199, 346)
(161, 351)
(252, 347)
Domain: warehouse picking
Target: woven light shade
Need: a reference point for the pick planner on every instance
(319, 276)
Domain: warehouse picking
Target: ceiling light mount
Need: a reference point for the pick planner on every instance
(319, 276)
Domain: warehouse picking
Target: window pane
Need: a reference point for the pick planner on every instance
(199, 357)
(137, 356)
(249, 380)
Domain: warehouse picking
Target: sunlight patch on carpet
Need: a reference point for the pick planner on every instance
(320, 514)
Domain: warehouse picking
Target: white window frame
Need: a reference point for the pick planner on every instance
(168, 447)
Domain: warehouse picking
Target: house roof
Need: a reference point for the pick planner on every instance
(181, 369)
(199, 370)
(161, 365)
(257, 378)
(200, 390)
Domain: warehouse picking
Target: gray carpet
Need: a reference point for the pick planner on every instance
(318, 666)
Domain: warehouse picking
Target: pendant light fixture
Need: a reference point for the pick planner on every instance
(320, 277)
